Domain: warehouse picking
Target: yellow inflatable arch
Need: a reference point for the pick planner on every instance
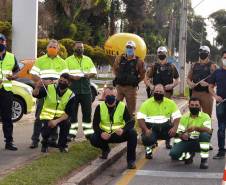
(115, 45)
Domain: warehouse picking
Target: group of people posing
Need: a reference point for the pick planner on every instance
(62, 85)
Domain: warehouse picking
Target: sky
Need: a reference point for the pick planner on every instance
(205, 9)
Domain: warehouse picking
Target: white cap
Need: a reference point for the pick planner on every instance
(162, 49)
(204, 48)
(131, 43)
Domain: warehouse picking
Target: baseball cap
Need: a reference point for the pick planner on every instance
(2, 37)
(204, 49)
(131, 43)
(162, 49)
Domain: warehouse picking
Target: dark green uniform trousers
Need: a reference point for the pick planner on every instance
(191, 146)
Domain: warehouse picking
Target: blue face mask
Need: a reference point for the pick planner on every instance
(110, 99)
(2, 47)
(129, 51)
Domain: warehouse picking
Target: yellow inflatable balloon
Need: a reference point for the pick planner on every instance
(115, 45)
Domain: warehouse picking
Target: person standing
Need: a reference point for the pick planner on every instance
(158, 118)
(112, 123)
(47, 69)
(218, 78)
(129, 72)
(8, 70)
(56, 109)
(163, 73)
(198, 78)
(194, 132)
(81, 69)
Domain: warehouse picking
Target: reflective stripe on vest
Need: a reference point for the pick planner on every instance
(6, 67)
(54, 106)
(118, 121)
(156, 119)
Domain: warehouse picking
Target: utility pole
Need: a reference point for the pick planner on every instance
(172, 35)
(182, 44)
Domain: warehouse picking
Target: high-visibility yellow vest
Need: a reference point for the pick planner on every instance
(46, 67)
(118, 122)
(6, 67)
(54, 106)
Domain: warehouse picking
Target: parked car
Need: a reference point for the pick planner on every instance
(23, 101)
(25, 77)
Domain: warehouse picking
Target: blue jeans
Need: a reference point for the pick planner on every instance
(221, 117)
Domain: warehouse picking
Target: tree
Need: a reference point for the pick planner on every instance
(219, 23)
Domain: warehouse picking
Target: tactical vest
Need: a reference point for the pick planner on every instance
(118, 122)
(127, 74)
(6, 67)
(54, 106)
(163, 74)
(199, 72)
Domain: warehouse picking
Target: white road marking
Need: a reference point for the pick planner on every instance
(174, 174)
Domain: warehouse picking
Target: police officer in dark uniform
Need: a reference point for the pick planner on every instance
(198, 78)
(129, 72)
(8, 69)
(163, 73)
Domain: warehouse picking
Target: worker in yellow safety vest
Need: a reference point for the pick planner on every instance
(8, 70)
(57, 107)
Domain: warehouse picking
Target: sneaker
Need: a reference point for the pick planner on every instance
(105, 153)
(33, 145)
(10, 146)
(219, 155)
(204, 163)
(131, 165)
(44, 149)
(148, 153)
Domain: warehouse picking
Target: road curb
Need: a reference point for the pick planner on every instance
(98, 165)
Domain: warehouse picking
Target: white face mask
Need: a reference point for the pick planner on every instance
(224, 62)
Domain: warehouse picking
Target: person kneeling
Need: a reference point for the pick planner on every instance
(194, 133)
(112, 124)
(58, 104)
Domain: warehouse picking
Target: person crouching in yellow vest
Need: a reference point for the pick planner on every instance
(158, 117)
(112, 123)
(58, 105)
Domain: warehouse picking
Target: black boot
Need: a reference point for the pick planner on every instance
(148, 152)
(131, 165)
(204, 163)
(168, 146)
(44, 149)
(190, 159)
(105, 153)
(10, 146)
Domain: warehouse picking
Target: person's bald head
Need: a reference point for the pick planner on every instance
(110, 91)
(159, 88)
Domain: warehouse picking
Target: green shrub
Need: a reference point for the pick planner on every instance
(42, 44)
(68, 44)
(6, 28)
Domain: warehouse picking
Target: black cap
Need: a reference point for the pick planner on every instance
(2, 37)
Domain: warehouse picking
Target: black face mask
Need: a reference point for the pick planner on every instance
(158, 96)
(194, 110)
(203, 56)
(2, 47)
(162, 57)
(78, 52)
(110, 99)
(62, 86)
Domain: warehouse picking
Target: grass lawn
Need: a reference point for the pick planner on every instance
(52, 167)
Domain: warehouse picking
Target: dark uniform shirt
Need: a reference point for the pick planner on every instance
(219, 78)
(70, 105)
(126, 116)
(16, 67)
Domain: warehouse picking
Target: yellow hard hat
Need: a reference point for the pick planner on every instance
(116, 44)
